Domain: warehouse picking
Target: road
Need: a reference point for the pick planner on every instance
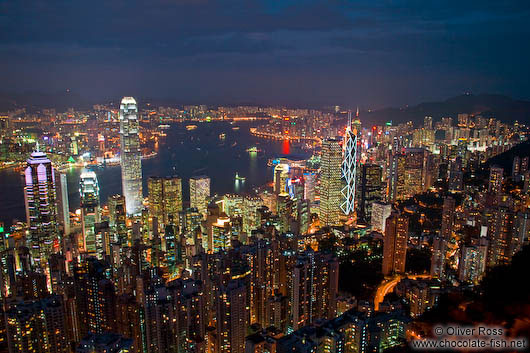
(387, 286)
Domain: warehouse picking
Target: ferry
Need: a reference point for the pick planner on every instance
(164, 127)
(235, 128)
(222, 136)
(191, 127)
(240, 178)
(234, 144)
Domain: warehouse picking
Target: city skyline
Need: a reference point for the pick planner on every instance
(200, 176)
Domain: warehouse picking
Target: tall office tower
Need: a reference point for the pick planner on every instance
(448, 218)
(330, 182)
(37, 326)
(371, 189)
(63, 207)
(95, 298)
(118, 219)
(200, 193)
(41, 207)
(396, 177)
(427, 122)
(232, 317)
(165, 198)
(262, 283)
(439, 249)
(280, 176)
(131, 163)
(495, 180)
(90, 215)
(395, 244)
(349, 167)
(250, 213)
(500, 223)
(472, 264)
(314, 288)
(380, 212)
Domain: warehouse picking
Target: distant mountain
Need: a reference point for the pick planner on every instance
(505, 159)
(37, 100)
(501, 107)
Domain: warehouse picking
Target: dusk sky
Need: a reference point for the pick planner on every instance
(371, 53)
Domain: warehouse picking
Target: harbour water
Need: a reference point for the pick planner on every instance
(182, 152)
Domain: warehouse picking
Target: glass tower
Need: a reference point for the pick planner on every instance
(89, 192)
(41, 207)
(131, 163)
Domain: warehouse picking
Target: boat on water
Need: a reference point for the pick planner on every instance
(234, 144)
(222, 136)
(235, 128)
(253, 149)
(191, 127)
(240, 178)
(164, 126)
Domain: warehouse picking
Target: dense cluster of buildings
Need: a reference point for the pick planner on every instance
(246, 273)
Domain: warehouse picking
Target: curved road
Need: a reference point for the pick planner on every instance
(387, 286)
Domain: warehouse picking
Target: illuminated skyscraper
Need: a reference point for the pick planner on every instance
(41, 207)
(131, 163)
(330, 182)
(89, 193)
(349, 167)
(165, 198)
(199, 193)
(395, 244)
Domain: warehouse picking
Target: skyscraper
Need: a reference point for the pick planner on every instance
(131, 163)
(395, 244)
(41, 207)
(349, 167)
(165, 198)
(199, 193)
(63, 207)
(330, 182)
(496, 179)
(371, 189)
(89, 196)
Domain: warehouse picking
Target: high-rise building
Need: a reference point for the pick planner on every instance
(63, 207)
(131, 163)
(95, 298)
(41, 207)
(396, 177)
(349, 167)
(395, 244)
(330, 182)
(199, 193)
(371, 189)
(439, 249)
(314, 288)
(415, 160)
(280, 176)
(448, 218)
(37, 326)
(500, 221)
(90, 215)
(472, 264)
(165, 198)
(380, 212)
(118, 219)
(232, 317)
(495, 180)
